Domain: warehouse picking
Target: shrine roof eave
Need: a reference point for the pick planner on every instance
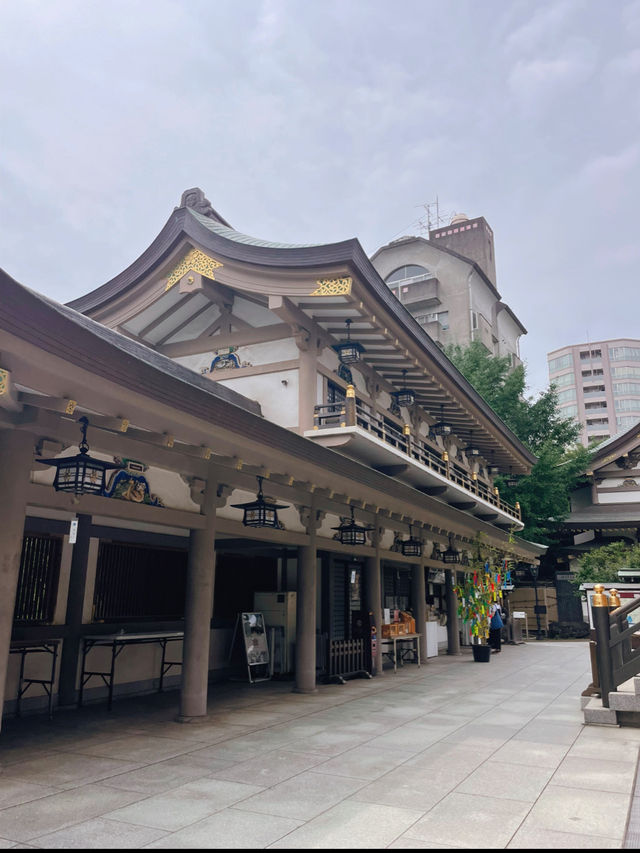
(185, 223)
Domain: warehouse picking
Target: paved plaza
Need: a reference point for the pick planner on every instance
(452, 754)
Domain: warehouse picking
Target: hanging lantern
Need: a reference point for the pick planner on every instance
(451, 555)
(260, 513)
(348, 350)
(80, 474)
(350, 533)
(411, 547)
(405, 397)
(512, 479)
(442, 427)
(470, 450)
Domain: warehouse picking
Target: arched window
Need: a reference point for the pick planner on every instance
(408, 271)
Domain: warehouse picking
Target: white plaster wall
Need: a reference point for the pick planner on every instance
(269, 352)
(508, 334)
(199, 362)
(630, 497)
(328, 358)
(279, 402)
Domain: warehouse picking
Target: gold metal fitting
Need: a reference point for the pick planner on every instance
(351, 391)
(406, 429)
(517, 504)
(614, 598)
(474, 476)
(599, 596)
(445, 455)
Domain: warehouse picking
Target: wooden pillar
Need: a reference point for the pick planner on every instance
(306, 617)
(373, 587)
(16, 457)
(419, 597)
(453, 630)
(307, 387)
(67, 686)
(199, 609)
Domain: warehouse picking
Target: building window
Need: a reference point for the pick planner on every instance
(406, 273)
(559, 363)
(627, 405)
(627, 421)
(625, 372)
(624, 353)
(564, 396)
(586, 355)
(593, 389)
(564, 379)
(626, 388)
(601, 404)
(38, 579)
(569, 411)
(139, 582)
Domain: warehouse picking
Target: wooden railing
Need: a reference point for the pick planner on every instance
(351, 412)
(617, 659)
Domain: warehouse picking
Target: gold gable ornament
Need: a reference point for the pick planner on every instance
(194, 261)
(333, 287)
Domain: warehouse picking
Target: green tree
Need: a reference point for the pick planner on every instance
(600, 565)
(539, 424)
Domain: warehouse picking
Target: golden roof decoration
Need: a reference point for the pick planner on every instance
(332, 287)
(193, 261)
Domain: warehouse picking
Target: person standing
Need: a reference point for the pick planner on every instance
(495, 628)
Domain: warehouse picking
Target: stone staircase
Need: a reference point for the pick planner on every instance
(623, 710)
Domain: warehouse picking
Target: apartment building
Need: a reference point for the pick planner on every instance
(448, 283)
(598, 384)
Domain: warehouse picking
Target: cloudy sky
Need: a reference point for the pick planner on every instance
(318, 121)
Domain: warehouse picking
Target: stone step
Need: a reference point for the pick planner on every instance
(624, 701)
(596, 715)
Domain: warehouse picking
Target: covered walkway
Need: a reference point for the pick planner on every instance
(455, 753)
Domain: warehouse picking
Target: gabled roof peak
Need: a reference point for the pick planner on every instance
(197, 200)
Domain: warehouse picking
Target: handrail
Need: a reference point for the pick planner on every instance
(351, 412)
(617, 660)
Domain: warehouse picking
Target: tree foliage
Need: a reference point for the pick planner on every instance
(600, 565)
(539, 424)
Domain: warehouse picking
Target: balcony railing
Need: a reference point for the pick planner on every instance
(351, 413)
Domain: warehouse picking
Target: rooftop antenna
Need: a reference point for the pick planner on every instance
(434, 218)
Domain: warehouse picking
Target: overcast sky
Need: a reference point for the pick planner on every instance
(319, 121)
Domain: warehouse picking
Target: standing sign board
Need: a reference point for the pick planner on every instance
(252, 630)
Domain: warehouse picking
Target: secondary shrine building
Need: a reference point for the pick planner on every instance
(220, 371)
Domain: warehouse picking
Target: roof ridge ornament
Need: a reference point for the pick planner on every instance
(195, 199)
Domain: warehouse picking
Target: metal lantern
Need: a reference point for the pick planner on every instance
(451, 555)
(512, 479)
(260, 513)
(348, 350)
(470, 449)
(441, 427)
(350, 533)
(411, 547)
(406, 396)
(80, 474)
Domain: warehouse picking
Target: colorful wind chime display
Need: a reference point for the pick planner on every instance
(479, 590)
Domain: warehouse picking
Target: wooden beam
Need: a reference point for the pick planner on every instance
(207, 343)
(52, 404)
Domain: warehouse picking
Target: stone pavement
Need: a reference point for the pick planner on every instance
(452, 754)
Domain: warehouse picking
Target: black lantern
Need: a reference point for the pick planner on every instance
(260, 513)
(405, 397)
(511, 480)
(350, 533)
(348, 350)
(470, 450)
(436, 553)
(451, 555)
(441, 427)
(492, 468)
(80, 474)
(411, 547)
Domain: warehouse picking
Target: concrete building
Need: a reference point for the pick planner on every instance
(598, 384)
(448, 283)
(213, 367)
